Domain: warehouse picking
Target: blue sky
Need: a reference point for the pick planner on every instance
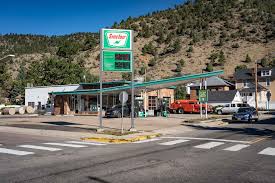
(58, 17)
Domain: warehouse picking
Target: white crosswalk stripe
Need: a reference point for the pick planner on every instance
(148, 140)
(86, 143)
(40, 147)
(173, 142)
(268, 151)
(236, 147)
(65, 145)
(209, 145)
(14, 152)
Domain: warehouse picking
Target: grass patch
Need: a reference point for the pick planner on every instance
(117, 132)
(203, 119)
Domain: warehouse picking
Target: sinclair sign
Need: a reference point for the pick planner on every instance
(116, 39)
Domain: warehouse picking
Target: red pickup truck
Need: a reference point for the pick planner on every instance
(188, 106)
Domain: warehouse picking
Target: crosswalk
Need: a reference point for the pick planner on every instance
(237, 147)
(214, 143)
(27, 149)
(220, 144)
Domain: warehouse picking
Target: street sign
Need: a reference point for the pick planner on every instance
(116, 39)
(116, 56)
(123, 97)
(116, 61)
(203, 96)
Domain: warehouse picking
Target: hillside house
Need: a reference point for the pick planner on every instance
(245, 83)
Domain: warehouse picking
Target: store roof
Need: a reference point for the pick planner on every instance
(107, 83)
(149, 86)
(218, 96)
(214, 81)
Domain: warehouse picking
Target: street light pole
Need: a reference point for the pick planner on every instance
(256, 86)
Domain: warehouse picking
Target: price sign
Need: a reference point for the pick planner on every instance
(117, 61)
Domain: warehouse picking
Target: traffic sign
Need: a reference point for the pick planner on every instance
(116, 39)
(116, 61)
(123, 97)
(203, 95)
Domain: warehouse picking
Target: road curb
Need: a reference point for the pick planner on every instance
(120, 140)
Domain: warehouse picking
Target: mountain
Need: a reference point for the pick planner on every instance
(195, 36)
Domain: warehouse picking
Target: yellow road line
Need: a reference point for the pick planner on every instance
(259, 139)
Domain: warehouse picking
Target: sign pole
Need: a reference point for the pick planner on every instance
(122, 113)
(100, 83)
(100, 97)
(200, 101)
(132, 94)
(205, 85)
(123, 97)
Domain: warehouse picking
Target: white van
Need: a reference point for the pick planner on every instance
(230, 108)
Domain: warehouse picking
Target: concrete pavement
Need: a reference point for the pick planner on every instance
(221, 154)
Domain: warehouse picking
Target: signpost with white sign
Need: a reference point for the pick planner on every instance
(116, 55)
(123, 97)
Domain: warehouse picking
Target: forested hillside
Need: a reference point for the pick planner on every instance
(195, 36)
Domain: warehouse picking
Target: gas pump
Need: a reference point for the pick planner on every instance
(163, 107)
(140, 107)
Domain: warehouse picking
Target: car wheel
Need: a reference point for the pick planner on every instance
(256, 120)
(180, 111)
(249, 119)
(219, 112)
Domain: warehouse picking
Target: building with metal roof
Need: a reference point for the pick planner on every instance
(85, 100)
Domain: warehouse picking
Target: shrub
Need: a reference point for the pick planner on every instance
(179, 68)
(181, 62)
(152, 62)
(190, 49)
(240, 67)
(209, 67)
(235, 45)
(149, 49)
(247, 59)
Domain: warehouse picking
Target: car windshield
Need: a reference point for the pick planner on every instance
(244, 110)
(116, 106)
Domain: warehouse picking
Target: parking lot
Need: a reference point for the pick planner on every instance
(92, 122)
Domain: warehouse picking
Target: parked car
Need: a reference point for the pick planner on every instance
(189, 106)
(116, 111)
(245, 114)
(230, 108)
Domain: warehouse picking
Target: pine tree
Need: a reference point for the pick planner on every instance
(247, 59)
(209, 67)
(176, 46)
(221, 59)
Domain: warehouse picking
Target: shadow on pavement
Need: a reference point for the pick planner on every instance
(98, 179)
(268, 121)
(240, 130)
(60, 123)
(53, 127)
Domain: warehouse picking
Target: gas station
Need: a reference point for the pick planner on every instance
(117, 56)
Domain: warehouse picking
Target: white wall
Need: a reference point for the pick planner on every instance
(41, 94)
(237, 98)
(262, 100)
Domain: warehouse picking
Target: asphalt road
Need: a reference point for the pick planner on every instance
(221, 154)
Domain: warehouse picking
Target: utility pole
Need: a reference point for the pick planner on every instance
(256, 86)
